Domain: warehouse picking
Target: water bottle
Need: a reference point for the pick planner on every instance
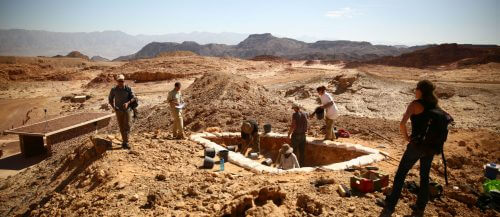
(222, 164)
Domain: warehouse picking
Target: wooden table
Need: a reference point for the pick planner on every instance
(38, 138)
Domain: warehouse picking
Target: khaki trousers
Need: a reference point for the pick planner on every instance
(330, 135)
(178, 124)
(124, 123)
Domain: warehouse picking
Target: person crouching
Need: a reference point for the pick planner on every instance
(287, 160)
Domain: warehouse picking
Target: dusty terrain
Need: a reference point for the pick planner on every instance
(159, 176)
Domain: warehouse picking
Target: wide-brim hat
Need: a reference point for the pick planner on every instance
(285, 148)
(246, 127)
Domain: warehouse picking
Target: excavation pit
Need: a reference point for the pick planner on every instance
(327, 155)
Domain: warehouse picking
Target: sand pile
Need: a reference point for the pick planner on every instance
(224, 100)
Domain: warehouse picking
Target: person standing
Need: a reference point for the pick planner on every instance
(120, 98)
(176, 103)
(297, 132)
(331, 111)
(425, 99)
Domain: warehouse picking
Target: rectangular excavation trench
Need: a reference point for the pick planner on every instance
(318, 153)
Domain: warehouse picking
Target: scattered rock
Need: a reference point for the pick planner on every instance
(119, 185)
(160, 177)
(351, 209)
(269, 210)
(463, 197)
(307, 204)
(101, 144)
(134, 197)
(461, 143)
(300, 92)
(105, 107)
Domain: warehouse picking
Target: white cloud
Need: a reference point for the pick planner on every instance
(343, 12)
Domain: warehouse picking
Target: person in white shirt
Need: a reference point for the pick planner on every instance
(176, 102)
(287, 160)
(331, 111)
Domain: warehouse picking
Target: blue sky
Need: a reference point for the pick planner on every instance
(383, 21)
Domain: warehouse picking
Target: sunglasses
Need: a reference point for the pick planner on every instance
(121, 81)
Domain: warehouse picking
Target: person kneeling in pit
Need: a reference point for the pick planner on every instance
(250, 136)
(287, 160)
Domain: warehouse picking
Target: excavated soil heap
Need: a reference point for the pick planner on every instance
(223, 100)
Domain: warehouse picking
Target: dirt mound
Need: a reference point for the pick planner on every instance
(77, 54)
(270, 58)
(224, 100)
(442, 55)
(180, 53)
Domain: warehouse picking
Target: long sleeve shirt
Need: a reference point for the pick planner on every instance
(289, 162)
(118, 96)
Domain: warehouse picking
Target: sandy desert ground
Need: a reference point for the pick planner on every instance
(160, 176)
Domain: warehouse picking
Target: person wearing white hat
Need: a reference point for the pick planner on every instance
(287, 160)
(120, 98)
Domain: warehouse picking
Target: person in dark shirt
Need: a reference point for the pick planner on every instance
(297, 132)
(425, 98)
(250, 136)
(120, 97)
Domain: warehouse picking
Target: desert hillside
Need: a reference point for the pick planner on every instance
(457, 55)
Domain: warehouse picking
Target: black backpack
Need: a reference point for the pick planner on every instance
(135, 103)
(436, 132)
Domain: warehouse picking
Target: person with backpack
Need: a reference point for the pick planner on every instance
(120, 98)
(176, 103)
(428, 134)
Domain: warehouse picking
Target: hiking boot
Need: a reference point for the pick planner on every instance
(125, 146)
(386, 212)
(381, 202)
(417, 211)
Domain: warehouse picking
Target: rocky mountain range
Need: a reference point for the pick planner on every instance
(107, 44)
(267, 44)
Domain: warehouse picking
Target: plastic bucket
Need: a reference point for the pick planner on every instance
(224, 154)
(253, 155)
(231, 148)
(210, 152)
(267, 128)
(320, 113)
(268, 162)
(208, 162)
